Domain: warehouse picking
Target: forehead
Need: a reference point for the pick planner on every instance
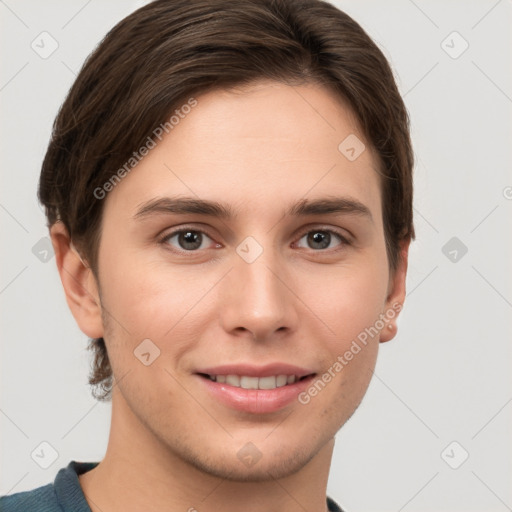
(258, 147)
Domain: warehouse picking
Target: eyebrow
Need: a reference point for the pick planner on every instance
(190, 205)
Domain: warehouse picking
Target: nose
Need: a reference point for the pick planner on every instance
(257, 300)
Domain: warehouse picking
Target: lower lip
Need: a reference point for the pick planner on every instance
(256, 401)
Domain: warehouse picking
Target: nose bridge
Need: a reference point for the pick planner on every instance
(256, 299)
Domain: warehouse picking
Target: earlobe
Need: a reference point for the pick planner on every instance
(79, 283)
(396, 294)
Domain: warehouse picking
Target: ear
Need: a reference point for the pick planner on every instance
(79, 283)
(396, 294)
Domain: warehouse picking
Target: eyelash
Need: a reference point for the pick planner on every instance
(164, 240)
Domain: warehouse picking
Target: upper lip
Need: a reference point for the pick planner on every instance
(256, 371)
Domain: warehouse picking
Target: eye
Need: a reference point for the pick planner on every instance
(193, 240)
(321, 239)
(189, 240)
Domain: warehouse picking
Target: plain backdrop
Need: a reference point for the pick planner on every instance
(433, 431)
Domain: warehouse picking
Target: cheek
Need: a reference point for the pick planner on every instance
(155, 301)
(353, 301)
(353, 314)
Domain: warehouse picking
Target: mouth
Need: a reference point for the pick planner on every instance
(248, 382)
(255, 390)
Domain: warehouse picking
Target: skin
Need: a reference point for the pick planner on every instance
(259, 149)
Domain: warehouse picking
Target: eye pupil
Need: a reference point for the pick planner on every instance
(190, 238)
(322, 238)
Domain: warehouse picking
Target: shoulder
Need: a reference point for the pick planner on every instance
(63, 495)
(42, 499)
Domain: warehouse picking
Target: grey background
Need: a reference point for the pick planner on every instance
(445, 377)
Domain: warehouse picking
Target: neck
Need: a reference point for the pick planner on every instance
(139, 473)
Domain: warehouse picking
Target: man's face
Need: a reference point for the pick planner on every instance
(260, 295)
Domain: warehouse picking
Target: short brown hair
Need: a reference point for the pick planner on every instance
(169, 50)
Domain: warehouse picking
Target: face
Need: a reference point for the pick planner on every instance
(269, 287)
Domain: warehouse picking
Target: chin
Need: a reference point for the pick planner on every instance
(268, 468)
(239, 460)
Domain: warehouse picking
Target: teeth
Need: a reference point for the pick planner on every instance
(233, 380)
(281, 380)
(245, 382)
(249, 382)
(267, 382)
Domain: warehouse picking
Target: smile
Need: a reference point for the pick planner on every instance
(255, 390)
(248, 382)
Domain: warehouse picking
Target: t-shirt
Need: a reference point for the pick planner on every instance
(66, 495)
